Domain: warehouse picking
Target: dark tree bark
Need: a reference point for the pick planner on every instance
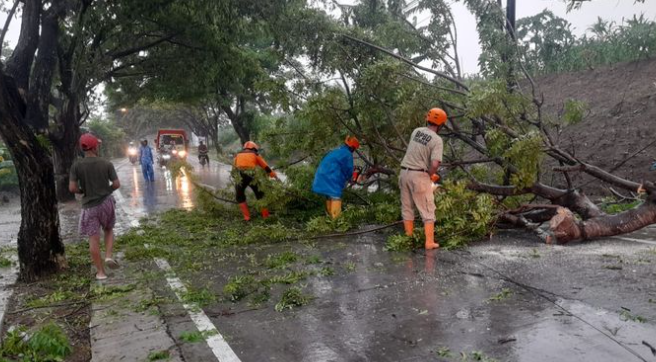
(40, 249)
(20, 63)
(239, 120)
(565, 227)
(38, 100)
(65, 149)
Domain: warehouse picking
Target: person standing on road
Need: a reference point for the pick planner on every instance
(333, 173)
(419, 172)
(245, 163)
(95, 178)
(146, 158)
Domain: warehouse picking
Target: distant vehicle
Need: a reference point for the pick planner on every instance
(171, 144)
(132, 153)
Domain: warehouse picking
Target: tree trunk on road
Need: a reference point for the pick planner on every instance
(565, 227)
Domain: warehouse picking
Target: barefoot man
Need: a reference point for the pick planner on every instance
(95, 178)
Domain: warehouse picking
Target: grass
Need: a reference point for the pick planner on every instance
(201, 297)
(292, 277)
(626, 315)
(326, 271)
(196, 336)
(239, 286)
(313, 259)
(281, 261)
(48, 343)
(349, 266)
(159, 355)
(291, 298)
(5, 262)
(444, 352)
(504, 294)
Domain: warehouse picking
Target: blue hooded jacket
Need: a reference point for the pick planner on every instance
(145, 155)
(334, 171)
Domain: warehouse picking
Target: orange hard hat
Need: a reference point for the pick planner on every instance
(88, 142)
(436, 116)
(352, 142)
(250, 145)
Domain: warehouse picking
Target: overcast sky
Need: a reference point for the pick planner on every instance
(468, 47)
(581, 20)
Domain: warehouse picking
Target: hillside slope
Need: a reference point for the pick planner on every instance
(621, 118)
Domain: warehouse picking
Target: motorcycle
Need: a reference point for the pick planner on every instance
(164, 159)
(132, 154)
(203, 159)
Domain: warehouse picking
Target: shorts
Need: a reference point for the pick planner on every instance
(93, 218)
(417, 190)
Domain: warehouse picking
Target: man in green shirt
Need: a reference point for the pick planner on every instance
(95, 178)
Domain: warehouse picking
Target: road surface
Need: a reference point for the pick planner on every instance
(565, 303)
(512, 298)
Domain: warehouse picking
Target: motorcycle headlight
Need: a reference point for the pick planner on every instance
(132, 152)
(175, 152)
(182, 153)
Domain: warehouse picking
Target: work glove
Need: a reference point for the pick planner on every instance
(653, 167)
(435, 178)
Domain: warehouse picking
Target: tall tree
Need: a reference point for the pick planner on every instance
(24, 102)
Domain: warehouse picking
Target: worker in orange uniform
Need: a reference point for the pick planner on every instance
(246, 161)
(419, 172)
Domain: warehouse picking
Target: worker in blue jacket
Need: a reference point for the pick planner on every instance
(333, 174)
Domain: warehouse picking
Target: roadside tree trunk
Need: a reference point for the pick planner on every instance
(40, 249)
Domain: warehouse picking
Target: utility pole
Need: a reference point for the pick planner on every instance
(510, 18)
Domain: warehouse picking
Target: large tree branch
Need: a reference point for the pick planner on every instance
(10, 16)
(408, 61)
(20, 62)
(116, 54)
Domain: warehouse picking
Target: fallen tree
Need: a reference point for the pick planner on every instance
(499, 138)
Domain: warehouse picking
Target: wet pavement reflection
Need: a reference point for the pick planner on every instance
(166, 192)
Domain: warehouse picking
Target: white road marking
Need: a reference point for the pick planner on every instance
(650, 242)
(216, 342)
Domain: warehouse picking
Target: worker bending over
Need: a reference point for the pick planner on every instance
(419, 172)
(246, 162)
(335, 170)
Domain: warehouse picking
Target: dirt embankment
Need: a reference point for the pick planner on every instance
(621, 119)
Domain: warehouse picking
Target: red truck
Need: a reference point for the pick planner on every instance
(171, 143)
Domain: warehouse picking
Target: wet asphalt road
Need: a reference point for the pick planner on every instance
(562, 303)
(581, 302)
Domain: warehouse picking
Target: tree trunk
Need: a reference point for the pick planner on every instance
(40, 249)
(65, 146)
(565, 227)
(65, 152)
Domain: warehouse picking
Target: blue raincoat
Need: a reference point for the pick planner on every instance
(334, 171)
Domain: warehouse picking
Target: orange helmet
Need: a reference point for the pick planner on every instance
(352, 142)
(250, 145)
(436, 116)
